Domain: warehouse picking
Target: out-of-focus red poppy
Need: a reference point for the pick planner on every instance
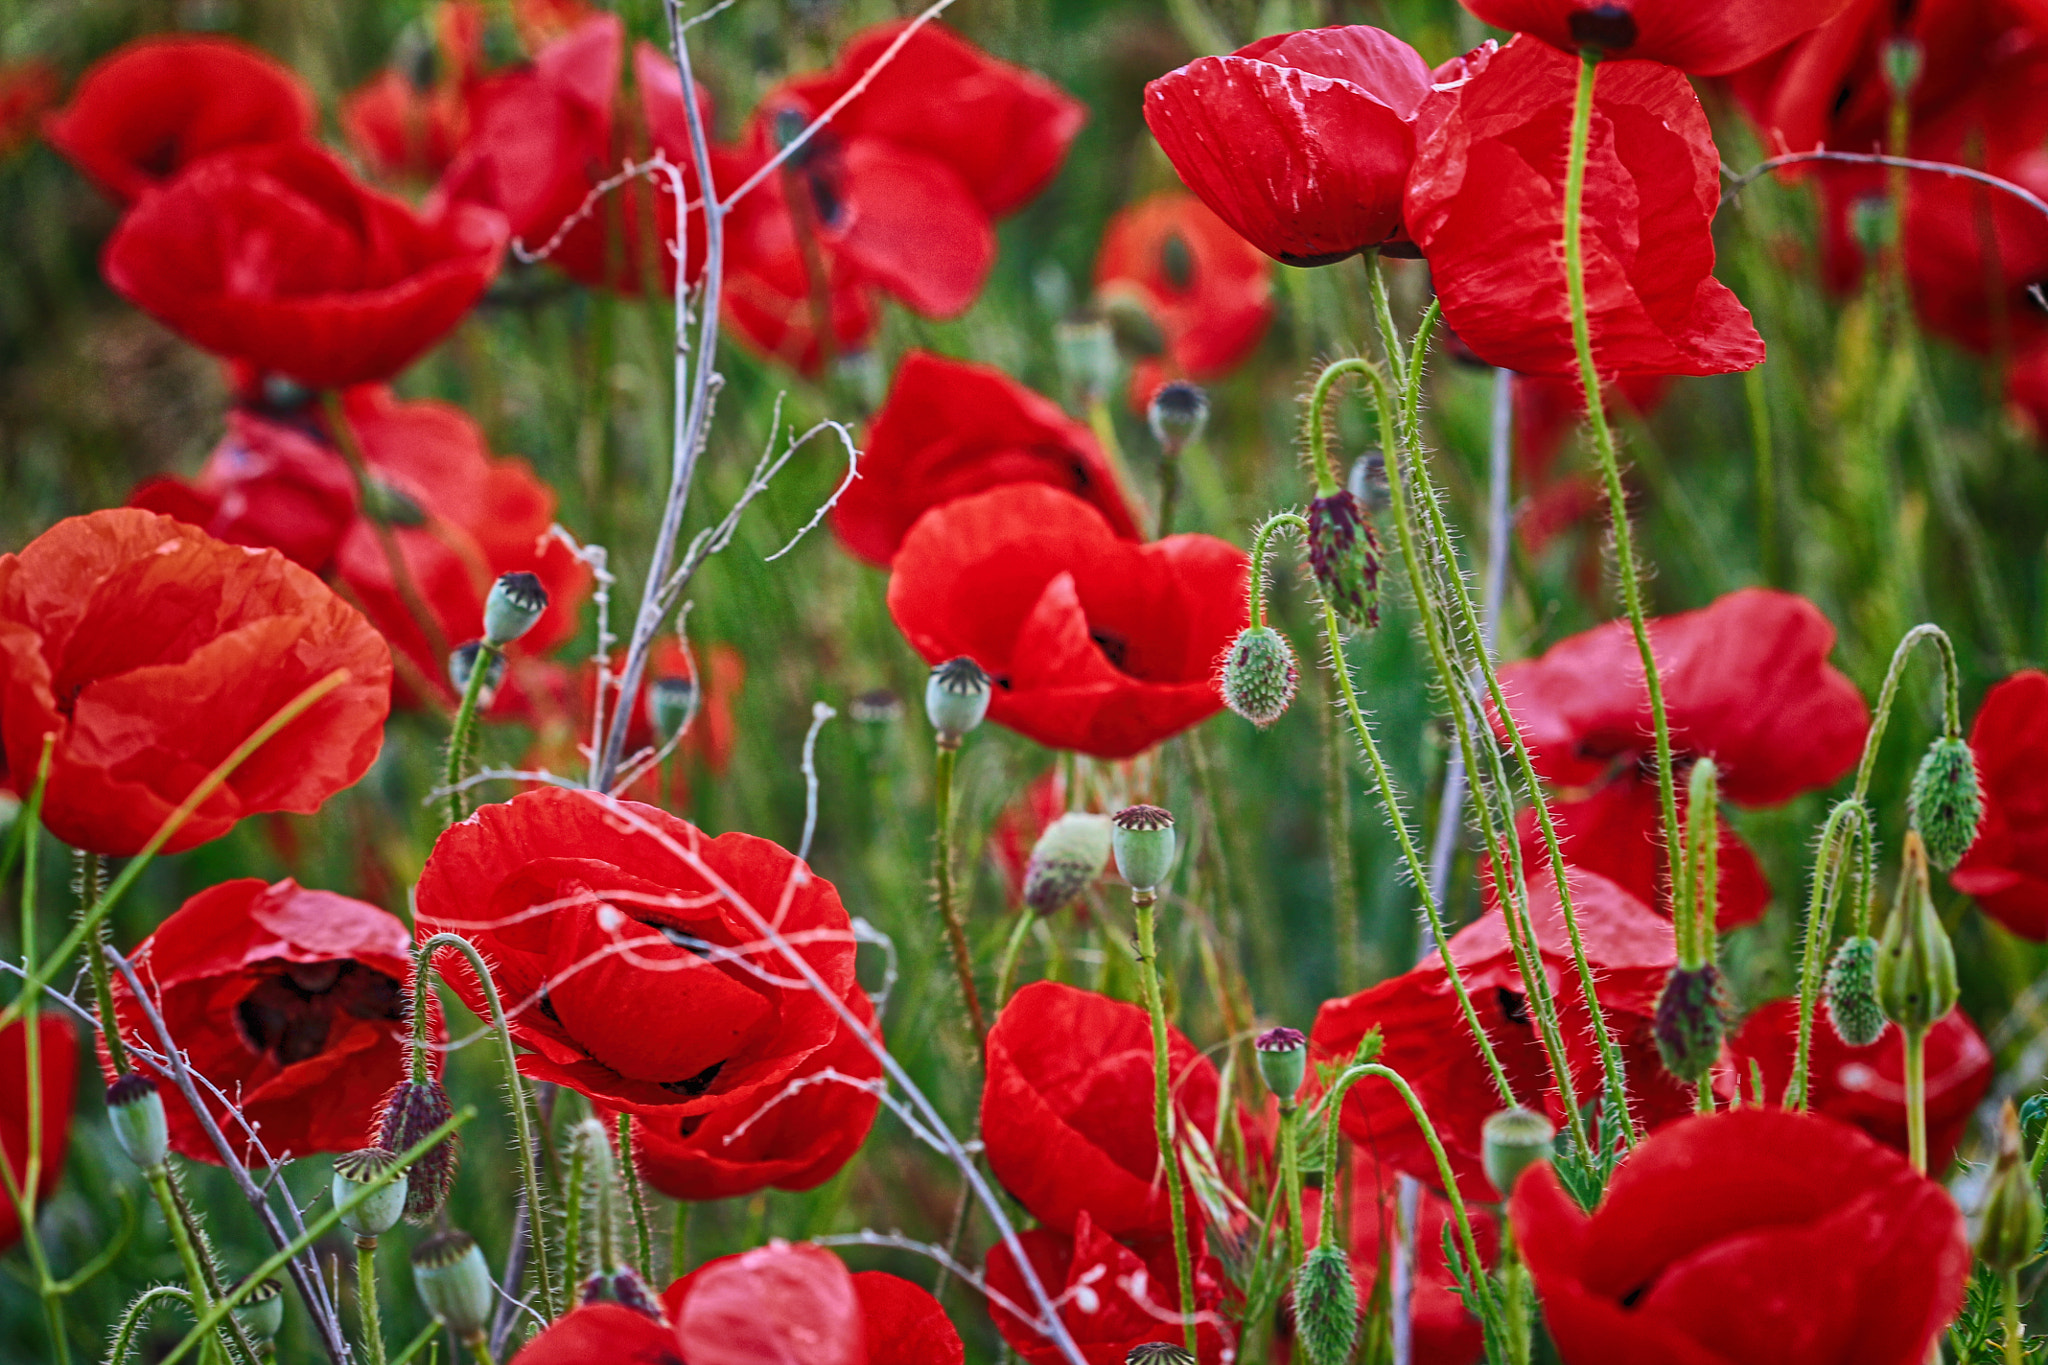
(816, 1314)
(276, 256)
(2026, 390)
(157, 105)
(1067, 1110)
(289, 1000)
(606, 1332)
(1112, 1297)
(2006, 870)
(629, 976)
(560, 716)
(1485, 203)
(1631, 952)
(57, 1077)
(1746, 682)
(1301, 142)
(1866, 1086)
(26, 89)
(1095, 643)
(1547, 409)
(950, 428)
(151, 652)
(1834, 1248)
(1701, 40)
(1444, 1330)
(408, 124)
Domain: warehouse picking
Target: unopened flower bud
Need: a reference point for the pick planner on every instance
(261, 1312)
(956, 698)
(671, 705)
(462, 663)
(1071, 853)
(1086, 349)
(1326, 1306)
(1851, 991)
(1344, 555)
(514, 606)
(1512, 1141)
(1143, 841)
(453, 1282)
(1916, 963)
(1283, 1061)
(1688, 1024)
(1178, 412)
(1945, 802)
(1870, 223)
(379, 1213)
(1259, 675)
(2009, 1232)
(1903, 60)
(413, 1110)
(137, 1113)
(1158, 1353)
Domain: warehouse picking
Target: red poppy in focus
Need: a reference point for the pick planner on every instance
(1485, 203)
(26, 89)
(1301, 142)
(2006, 870)
(816, 1313)
(1631, 952)
(1701, 40)
(57, 1076)
(1866, 1086)
(290, 1000)
(1113, 1298)
(157, 105)
(152, 652)
(625, 971)
(608, 1332)
(276, 256)
(950, 428)
(1096, 644)
(1834, 1247)
(1445, 1332)
(1746, 682)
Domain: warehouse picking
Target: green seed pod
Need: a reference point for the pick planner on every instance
(1945, 802)
(1916, 963)
(1158, 1353)
(453, 1282)
(1070, 855)
(1512, 1141)
(672, 705)
(1142, 838)
(137, 1113)
(1851, 990)
(1688, 1024)
(513, 607)
(1259, 675)
(2009, 1231)
(1326, 1306)
(462, 663)
(1283, 1062)
(1086, 350)
(1903, 61)
(1344, 556)
(413, 1110)
(379, 1213)
(956, 698)
(1178, 412)
(261, 1312)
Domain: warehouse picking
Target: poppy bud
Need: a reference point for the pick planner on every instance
(413, 1110)
(1178, 412)
(1259, 675)
(2009, 1230)
(392, 505)
(1344, 555)
(878, 707)
(1916, 963)
(1067, 857)
(1945, 802)
(261, 1312)
(1326, 1306)
(1158, 1353)
(1086, 349)
(1132, 325)
(453, 1282)
(1903, 60)
(137, 1113)
(1851, 990)
(462, 663)
(379, 1213)
(1283, 1061)
(671, 705)
(1143, 841)
(1688, 1024)
(956, 698)
(513, 607)
(1512, 1141)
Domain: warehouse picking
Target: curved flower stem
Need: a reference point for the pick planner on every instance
(956, 929)
(1383, 316)
(138, 1314)
(1321, 466)
(1162, 1107)
(387, 540)
(366, 1299)
(1849, 820)
(188, 1257)
(1916, 1096)
(1951, 709)
(462, 738)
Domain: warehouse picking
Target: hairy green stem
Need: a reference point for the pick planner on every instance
(137, 1315)
(629, 1174)
(366, 1299)
(188, 1256)
(949, 911)
(462, 737)
(2015, 1332)
(102, 977)
(1848, 821)
(1162, 1107)
(1916, 1096)
(1290, 1180)
(1951, 702)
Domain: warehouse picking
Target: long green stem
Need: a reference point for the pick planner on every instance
(1888, 694)
(188, 1256)
(1290, 1180)
(1916, 1096)
(23, 1195)
(366, 1299)
(463, 736)
(1162, 1108)
(949, 912)
(2015, 1332)
(1006, 968)
(1383, 316)
(373, 511)
(1849, 820)
(629, 1174)
(89, 889)
(1766, 473)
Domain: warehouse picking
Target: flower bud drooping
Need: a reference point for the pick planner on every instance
(1512, 1141)
(513, 607)
(1688, 1025)
(1851, 990)
(261, 1311)
(137, 1113)
(462, 663)
(1158, 1353)
(1945, 802)
(379, 1213)
(1344, 555)
(1178, 412)
(1071, 853)
(1916, 963)
(2010, 1229)
(956, 698)
(1259, 675)
(1326, 1306)
(453, 1282)
(1143, 841)
(413, 1110)
(1283, 1062)
(671, 705)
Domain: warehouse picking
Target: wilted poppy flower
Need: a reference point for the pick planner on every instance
(1485, 203)
(1095, 643)
(26, 88)
(1301, 141)
(632, 979)
(57, 1074)
(152, 652)
(1702, 40)
(152, 108)
(290, 1000)
(796, 1305)
(950, 428)
(608, 1332)
(1746, 682)
(1111, 1297)
(1754, 1236)
(1866, 1086)
(2006, 870)
(276, 256)
(1207, 291)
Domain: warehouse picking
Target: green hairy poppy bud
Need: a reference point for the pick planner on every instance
(1177, 414)
(453, 1282)
(261, 1311)
(1283, 1061)
(379, 1213)
(513, 608)
(1916, 963)
(1851, 990)
(137, 1113)
(1326, 1306)
(1903, 60)
(1067, 857)
(413, 1110)
(2010, 1229)
(1945, 803)
(1688, 1024)
(1344, 556)
(1158, 1353)
(462, 663)
(1259, 675)
(956, 698)
(671, 705)
(1512, 1141)
(1143, 841)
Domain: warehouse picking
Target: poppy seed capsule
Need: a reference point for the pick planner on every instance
(261, 1311)
(956, 698)
(1067, 857)
(2009, 1230)
(671, 705)
(413, 1110)
(1158, 1353)
(137, 1113)
(379, 1213)
(462, 663)
(1283, 1061)
(1143, 840)
(1177, 414)
(1512, 1141)
(513, 607)
(453, 1282)
(1851, 991)
(1344, 556)
(1688, 1024)
(1946, 802)
(1259, 675)
(1916, 963)
(1326, 1306)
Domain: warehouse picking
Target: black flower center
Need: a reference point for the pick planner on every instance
(291, 1012)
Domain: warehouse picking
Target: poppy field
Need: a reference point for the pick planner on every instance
(1072, 682)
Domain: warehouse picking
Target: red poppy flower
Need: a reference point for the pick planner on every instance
(1095, 643)
(152, 651)
(1548, 408)
(143, 114)
(1112, 1298)
(275, 255)
(1631, 952)
(1444, 1330)
(632, 980)
(289, 1000)
(1833, 1247)
(1486, 205)
(1866, 1086)
(1301, 142)
(57, 1074)
(2006, 870)
(1703, 40)
(404, 128)
(815, 1313)
(949, 428)
(603, 1331)
(26, 89)
(1746, 682)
